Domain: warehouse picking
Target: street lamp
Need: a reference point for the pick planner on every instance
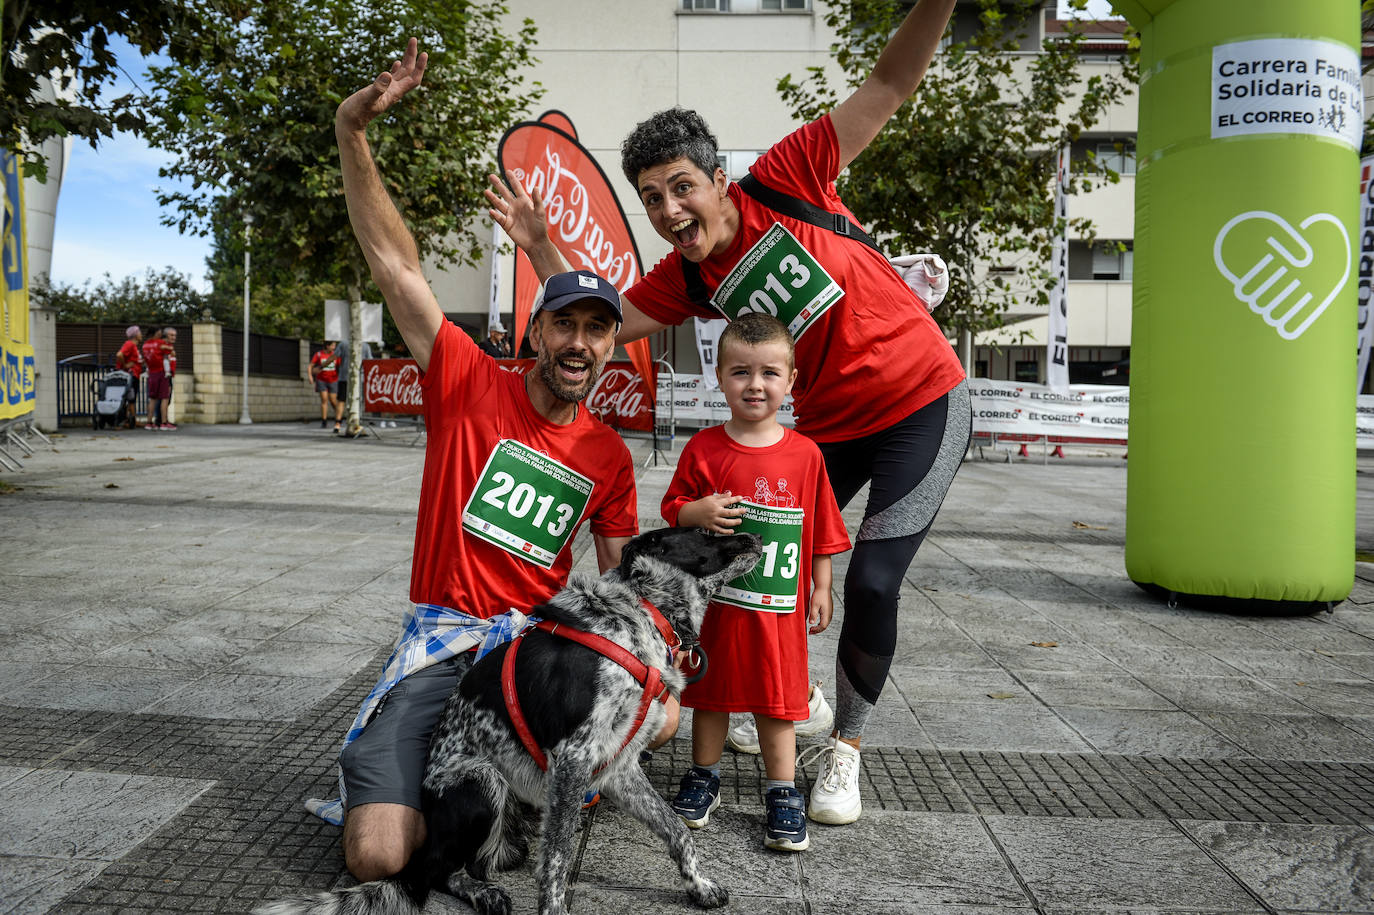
(244, 418)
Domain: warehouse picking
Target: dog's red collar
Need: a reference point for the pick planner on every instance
(650, 677)
(661, 623)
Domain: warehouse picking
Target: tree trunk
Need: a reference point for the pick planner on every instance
(355, 360)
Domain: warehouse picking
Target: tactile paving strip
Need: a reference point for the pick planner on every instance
(248, 838)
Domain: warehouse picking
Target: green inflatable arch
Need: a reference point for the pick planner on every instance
(1241, 487)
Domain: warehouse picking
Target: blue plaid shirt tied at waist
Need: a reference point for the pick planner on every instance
(432, 634)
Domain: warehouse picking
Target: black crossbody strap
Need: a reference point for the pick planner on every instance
(797, 208)
(787, 205)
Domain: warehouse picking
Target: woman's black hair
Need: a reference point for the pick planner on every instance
(673, 133)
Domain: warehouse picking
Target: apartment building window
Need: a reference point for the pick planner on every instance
(736, 162)
(1112, 263)
(1028, 370)
(712, 6)
(786, 5)
(1119, 157)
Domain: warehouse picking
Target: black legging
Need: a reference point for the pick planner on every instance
(909, 467)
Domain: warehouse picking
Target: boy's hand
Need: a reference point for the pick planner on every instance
(718, 513)
(820, 611)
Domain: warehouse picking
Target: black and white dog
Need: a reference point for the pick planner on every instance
(583, 713)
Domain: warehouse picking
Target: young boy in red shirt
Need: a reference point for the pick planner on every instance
(755, 633)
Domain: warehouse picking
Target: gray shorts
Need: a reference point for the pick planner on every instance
(326, 387)
(386, 763)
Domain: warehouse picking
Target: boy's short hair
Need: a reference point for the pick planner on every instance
(753, 328)
(670, 134)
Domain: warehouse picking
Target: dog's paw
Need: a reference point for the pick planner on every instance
(708, 894)
(489, 899)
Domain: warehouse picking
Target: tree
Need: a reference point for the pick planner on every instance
(966, 167)
(157, 298)
(249, 119)
(68, 42)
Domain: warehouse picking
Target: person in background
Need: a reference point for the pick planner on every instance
(496, 345)
(324, 371)
(129, 359)
(159, 389)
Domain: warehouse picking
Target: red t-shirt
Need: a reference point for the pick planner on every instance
(133, 359)
(876, 356)
(471, 405)
(156, 355)
(758, 658)
(329, 366)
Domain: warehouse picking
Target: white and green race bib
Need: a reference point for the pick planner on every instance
(526, 503)
(771, 586)
(778, 277)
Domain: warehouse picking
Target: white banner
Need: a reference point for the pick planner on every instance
(1365, 271)
(1057, 340)
(1083, 411)
(1287, 86)
(494, 305)
(336, 321)
(1364, 422)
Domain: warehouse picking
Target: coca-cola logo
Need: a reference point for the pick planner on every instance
(568, 205)
(618, 393)
(390, 389)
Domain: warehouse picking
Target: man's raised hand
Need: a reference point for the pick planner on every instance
(360, 108)
(520, 214)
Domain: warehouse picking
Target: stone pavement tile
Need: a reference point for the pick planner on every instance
(1362, 723)
(1167, 660)
(170, 650)
(890, 859)
(233, 622)
(621, 853)
(11, 773)
(1011, 726)
(1296, 867)
(942, 650)
(1334, 697)
(248, 696)
(350, 621)
(104, 689)
(1297, 664)
(919, 685)
(33, 885)
(92, 815)
(1221, 694)
(323, 659)
(1279, 736)
(1147, 732)
(1067, 656)
(1093, 690)
(1360, 663)
(1097, 865)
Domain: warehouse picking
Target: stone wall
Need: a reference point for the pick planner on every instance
(210, 396)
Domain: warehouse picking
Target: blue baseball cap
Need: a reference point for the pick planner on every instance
(577, 286)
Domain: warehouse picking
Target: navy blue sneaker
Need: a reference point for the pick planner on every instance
(786, 828)
(697, 795)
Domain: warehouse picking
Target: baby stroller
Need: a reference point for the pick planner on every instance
(114, 405)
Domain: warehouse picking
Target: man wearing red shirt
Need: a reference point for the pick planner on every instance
(324, 369)
(130, 360)
(513, 466)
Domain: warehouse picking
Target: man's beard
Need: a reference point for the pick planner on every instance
(547, 366)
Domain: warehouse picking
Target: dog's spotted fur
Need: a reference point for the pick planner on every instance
(482, 788)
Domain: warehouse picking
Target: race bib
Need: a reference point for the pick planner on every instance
(778, 277)
(771, 586)
(526, 503)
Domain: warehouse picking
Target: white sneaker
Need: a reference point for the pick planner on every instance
(835, 793)
(743, 736)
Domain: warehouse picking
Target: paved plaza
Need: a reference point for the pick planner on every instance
(189, 620)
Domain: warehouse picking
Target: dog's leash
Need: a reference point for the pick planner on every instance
(649, 677)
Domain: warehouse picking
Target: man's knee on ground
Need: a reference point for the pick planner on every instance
(669, 728)
(380, 838)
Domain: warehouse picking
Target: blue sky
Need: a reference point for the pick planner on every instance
(108, 219)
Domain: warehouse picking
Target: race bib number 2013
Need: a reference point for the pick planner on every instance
(771, 585)
(526, 503)
(778, 277)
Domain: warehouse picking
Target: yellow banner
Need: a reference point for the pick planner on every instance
(16, 353)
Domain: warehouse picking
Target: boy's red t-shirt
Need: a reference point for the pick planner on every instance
(758, 659)
(327, 375)
(876, 356)
(470, 405)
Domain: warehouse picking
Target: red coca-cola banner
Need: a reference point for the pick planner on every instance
(586, 221)
(620, 398)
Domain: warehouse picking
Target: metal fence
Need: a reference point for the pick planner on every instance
(77, 379)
